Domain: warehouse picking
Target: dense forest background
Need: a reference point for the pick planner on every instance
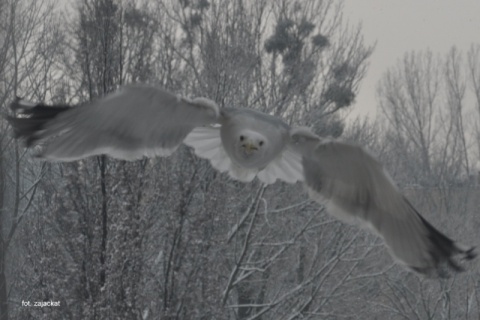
(170, 238)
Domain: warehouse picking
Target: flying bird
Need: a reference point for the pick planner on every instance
(142, 120)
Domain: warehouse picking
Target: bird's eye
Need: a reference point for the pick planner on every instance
(242, 138)
(261, 143)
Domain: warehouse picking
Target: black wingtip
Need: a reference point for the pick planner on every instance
(20, 104)
(30, 119)
(470, 254)
(445, 252)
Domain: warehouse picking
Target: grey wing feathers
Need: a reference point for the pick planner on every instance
(355, 188)
(135, 121)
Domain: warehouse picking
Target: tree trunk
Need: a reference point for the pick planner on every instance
(103, 252)
(3, 278)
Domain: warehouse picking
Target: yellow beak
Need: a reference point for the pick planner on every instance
(249, 147)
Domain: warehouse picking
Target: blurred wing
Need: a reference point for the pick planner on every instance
(207, 143)
(135, 121)
(287, 167)
(355, 188)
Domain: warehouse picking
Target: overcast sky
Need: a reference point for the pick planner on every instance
(401, 26)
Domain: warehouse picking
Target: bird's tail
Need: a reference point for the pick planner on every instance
(30, 119)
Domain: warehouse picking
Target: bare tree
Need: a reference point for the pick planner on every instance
(474, 77)
(171, 238)
(426, 103)
(29, 41)
(239, 53)
(408, 96)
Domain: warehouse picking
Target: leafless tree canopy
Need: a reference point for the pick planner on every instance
(169, 238)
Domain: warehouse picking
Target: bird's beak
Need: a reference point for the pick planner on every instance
(249, 147)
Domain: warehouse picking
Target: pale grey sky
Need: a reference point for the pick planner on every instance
(401, 26)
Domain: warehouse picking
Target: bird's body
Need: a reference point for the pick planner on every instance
(141, 120)
(240, 137)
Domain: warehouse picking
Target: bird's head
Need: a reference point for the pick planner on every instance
(250, 143)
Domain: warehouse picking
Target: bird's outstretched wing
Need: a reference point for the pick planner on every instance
(133, 122)
(355, 188)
